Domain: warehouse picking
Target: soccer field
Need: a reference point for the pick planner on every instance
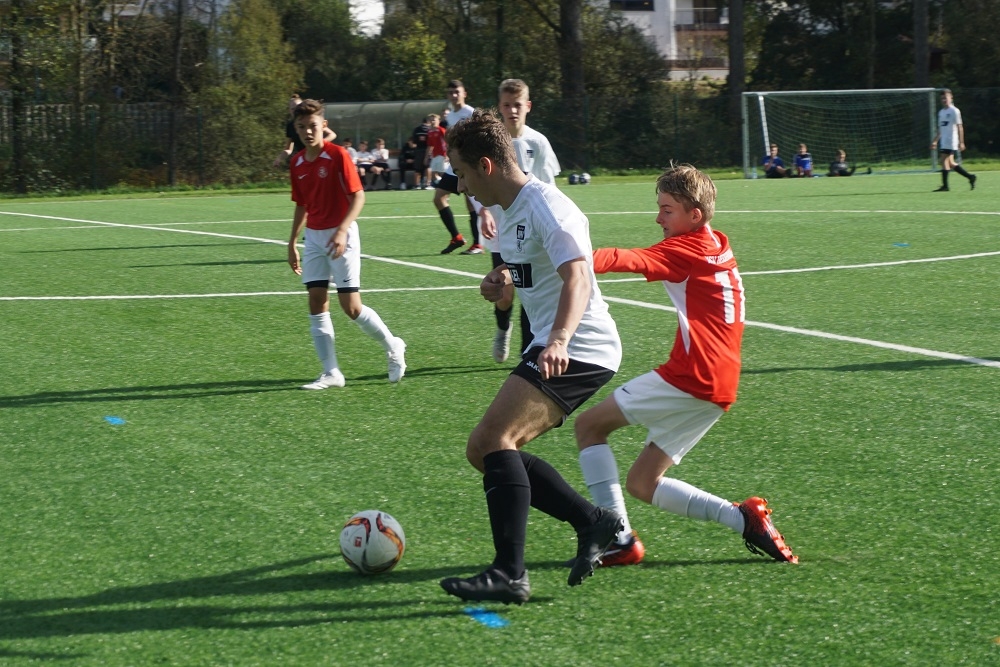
(168, 495)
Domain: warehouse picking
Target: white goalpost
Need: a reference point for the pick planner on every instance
(889, 129)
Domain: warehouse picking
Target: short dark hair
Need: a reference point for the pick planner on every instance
(483, 134)
(309, 108)
(456, 83)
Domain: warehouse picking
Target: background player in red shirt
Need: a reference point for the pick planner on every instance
(328, 200)
(679, 401)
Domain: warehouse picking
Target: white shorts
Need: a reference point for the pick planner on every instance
(345, 271)
(439, 163)
(676, 420)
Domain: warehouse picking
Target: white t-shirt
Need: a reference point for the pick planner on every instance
(458, 115)
(534, 156)
(542, 230)
(949, 118)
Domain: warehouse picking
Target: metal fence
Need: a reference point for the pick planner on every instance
(101, 146)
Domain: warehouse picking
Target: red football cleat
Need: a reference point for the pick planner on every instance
(760, 535)
(624, 554)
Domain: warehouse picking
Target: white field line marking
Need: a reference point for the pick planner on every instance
(822, 334)
(126, 297)
(641, 304)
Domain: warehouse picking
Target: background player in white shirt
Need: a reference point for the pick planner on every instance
(534, 156)
(545, 242)
(679, 401)
(949, 140)
(458, 111)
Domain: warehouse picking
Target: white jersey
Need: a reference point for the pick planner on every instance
(949, 118)
(534, 156)
(542, 230)
(458, 115)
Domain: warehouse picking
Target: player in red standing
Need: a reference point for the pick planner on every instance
(679, 401)
(328, 200)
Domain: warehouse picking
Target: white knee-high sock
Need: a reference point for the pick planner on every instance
(372, 324)
(681, 498)
(321, 328)
(600, 473)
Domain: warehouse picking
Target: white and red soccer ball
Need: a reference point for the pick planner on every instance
(372, 542)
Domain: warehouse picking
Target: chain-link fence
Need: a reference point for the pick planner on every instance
(97, 147)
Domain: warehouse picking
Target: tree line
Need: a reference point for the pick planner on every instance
(213, 76)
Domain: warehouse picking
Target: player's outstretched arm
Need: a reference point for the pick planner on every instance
(645, 261)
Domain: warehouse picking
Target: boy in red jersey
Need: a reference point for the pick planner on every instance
(679, 401)
(328, 200)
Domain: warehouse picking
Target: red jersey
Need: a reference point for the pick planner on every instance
(700, 275)
(323, 185)
(435, 142)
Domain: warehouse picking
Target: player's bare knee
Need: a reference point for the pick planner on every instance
(588, 431)
(639, 485)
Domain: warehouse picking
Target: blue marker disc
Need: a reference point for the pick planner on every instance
(487, 618)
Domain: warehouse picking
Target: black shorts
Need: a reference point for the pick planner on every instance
(448, 183)
(569, 390)
(947, 151)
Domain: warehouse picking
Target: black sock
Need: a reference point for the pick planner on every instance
(448, 218)
(552, 494)
(526, 334)
(944, 178)
(474, 224)
(508, 497)
(960, 169)
(502, 318)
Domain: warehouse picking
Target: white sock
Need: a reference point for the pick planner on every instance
(372, 324)
(600, 472)
(321, 328)
(681, 498)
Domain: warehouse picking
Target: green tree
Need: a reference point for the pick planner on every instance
(244, 109)
(415, 62)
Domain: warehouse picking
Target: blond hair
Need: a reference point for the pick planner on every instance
(514, 87)
(692, 188)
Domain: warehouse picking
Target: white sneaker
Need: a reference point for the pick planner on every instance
(501, 345)
(397, 362)
(332, 379)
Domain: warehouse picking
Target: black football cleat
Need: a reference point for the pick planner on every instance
(490, 585)
(592, 541)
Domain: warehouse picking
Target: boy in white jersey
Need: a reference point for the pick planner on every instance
(949, 140)
(679, 401)
(458, 111)
(545, 242)
(534, 156)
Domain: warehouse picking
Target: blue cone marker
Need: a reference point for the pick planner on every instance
(487, 618)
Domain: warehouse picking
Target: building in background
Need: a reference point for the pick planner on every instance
(690, 34)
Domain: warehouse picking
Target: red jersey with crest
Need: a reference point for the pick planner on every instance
(323, 185)
(700, 275)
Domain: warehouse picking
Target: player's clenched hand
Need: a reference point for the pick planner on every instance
(293, 259)
(492, 286)
(337, 244)
(553, 361)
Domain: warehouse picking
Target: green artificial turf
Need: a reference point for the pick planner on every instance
(203, 530)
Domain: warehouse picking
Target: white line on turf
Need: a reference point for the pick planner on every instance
(641, 304)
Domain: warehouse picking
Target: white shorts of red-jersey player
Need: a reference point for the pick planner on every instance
(675, 419)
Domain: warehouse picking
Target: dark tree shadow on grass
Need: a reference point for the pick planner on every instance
(181, 604)
(202, 389)
(889, 366)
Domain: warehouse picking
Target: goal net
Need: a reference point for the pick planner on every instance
(887, 130)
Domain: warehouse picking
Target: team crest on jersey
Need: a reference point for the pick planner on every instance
(520, 232)
(323, 172)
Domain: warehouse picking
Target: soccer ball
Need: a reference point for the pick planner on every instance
(372, 542)
(584, 178)
(574, 179)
